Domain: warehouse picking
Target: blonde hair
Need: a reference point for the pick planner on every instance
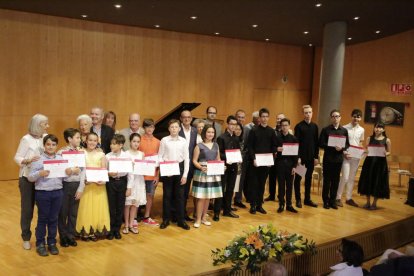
(34, 124)
(306, 106)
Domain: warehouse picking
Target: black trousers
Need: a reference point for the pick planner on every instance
(228, 181)
(273, 176)
(69, 210)
(27, 201)
(171, 186)
(331, 176)
(308, 181)
(116, 189)
(257, 177)
(285, 179)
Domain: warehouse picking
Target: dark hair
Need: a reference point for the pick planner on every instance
(204, 131)
(50, 137)
(263, 110)
(133, 135)
(352, 253)
(119, 139)
(356, 112)
(378, 125)
(284, 120)
(147, 123)
(173, 121)
(106, 116)
(231, 117)
(333, 111)
(239, 111)
(69, 133)
(183, 111)
(211, 106)
(242, 131)
(91, 133)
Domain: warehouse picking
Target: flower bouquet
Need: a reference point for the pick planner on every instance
(258, 245)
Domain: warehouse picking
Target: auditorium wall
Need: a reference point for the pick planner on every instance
(62, 67)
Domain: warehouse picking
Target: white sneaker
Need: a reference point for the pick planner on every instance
(26, 245)
(206, 222)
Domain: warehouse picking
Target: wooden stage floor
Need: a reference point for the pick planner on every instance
(174, 251)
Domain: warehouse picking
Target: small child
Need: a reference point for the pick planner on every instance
(116, 188)
(72, 191)
(48, 197)
(135, 189)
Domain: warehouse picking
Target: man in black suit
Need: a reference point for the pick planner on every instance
(104, 132)
(190, 134)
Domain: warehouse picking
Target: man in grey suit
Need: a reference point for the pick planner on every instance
(134, 120)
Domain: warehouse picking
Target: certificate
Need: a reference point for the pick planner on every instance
(233, 156)
(75, 158)
(336, 141)
(301, 170)
(290, 149)
(144, 167)
(56, 168)
(96, 174)
(169, 168)
(215, 167)
(153, 157)
(120, 165)
(264, 159)
(355, 152)
(376, 150)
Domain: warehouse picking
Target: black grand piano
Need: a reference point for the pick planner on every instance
(161, 125)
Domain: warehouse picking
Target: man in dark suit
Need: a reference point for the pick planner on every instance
(190, 134)
(104, 132)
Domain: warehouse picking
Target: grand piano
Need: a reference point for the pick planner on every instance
(161, 125)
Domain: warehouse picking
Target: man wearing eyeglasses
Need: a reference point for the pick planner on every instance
(334, 140)
(350, 165)
(211, 119)
(134, 127)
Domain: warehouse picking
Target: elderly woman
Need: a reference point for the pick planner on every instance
(199, 125)
(29, 150)
(85, 124)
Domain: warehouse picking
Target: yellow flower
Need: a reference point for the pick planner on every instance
(298, 252)
(299, 244)
(278, 246)
(272, 253)
(265, 229)
(243, 252)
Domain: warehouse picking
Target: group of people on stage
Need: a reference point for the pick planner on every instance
(92, 201)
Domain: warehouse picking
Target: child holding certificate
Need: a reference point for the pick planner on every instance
(48, 197)
(135, 192)
(117, 184)
(374, 175)
(73, 186)
(205, 186)
(93, 214)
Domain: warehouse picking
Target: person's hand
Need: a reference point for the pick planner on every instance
(204, 169)
(113, 174)
(100, 182)
(78, 195)
(279, 149)
(128, 192)
(34, 159)
(254, 163)
(338, 148)
(68, 171)
(293, 171)
(183, 180)
(315, 162)
(44, 173)
(76, 170)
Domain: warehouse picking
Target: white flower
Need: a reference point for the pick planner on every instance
(227, 253)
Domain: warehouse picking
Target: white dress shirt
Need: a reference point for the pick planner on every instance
(355, 134)
(29, 147)
(121, 154)
(343, 269)
(174, 149)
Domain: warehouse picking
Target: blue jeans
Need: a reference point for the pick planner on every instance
(48, 206)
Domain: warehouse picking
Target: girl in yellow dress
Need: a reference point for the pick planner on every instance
(93, 215)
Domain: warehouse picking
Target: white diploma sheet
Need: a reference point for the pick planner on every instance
(153, 157)
(336, 141)
(376, 150)
(301, 170)
(75, 158)
(120, 165)
(264, 159)
(169, 168)
(96, 174)
(144, 167)
(290, 149)
(56, 168)
(355, 152)
(215, 167)
(233, 156)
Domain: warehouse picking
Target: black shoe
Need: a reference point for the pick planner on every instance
(261, 210)
(240, 205)
(252, 210)
(298, 204)
(110, 236)
(311, 203)
(174, 220)
(291, 209)
(117, 235)
(280, 209)
(164, 224)
(183, 225)
(53, 249)
(216, 217)
(326, 205)
(187, 218)
(64, 242)
(269, 198)
(230, 214)
(72, 242)
(41, 250)
(233, 209)
(333, 206)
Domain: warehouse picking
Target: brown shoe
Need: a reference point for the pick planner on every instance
(351, 202)
(339, 203)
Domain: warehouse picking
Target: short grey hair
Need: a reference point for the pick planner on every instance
(255, 114)
(85, 117)
(34, 124)
(197, 121)
(101, 109)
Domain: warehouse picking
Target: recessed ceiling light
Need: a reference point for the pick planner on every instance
(310, 44)
(84, 15)
(216, 33)
(318, 5)
(349, 38)
(356, 17)
(267, 39)
(305, 32)
(118, 6)
(193, 17)
(255, 25)
(157, 26)
(377, 31)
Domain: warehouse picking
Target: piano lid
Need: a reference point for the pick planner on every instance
(161, 125)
